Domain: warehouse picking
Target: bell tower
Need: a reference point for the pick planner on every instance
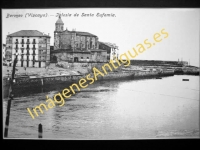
(59, 27)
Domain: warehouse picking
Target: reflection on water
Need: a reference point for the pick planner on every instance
(167, 108)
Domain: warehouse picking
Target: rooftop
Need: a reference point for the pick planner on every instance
(109, 44)
(84, 33)
(76, 51)
(69, 51)
(30, 33)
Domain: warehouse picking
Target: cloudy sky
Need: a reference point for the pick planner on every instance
(128, 27)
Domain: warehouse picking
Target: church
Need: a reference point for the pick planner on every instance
(76, 46)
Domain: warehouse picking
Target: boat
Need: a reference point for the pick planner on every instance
(185, 79)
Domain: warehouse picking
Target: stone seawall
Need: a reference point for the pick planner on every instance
(52, 80)
(37, 84)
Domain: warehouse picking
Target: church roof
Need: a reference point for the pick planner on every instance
(59, 21)
(76, 51)
(69, 51)
(84, 33)
(28, 33)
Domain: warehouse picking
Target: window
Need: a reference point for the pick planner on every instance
(22, 45)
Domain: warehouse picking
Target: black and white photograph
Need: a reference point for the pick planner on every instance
(100, 73)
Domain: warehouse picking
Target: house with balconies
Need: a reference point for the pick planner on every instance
(32, 46)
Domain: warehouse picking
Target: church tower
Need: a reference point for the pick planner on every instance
(59, 26)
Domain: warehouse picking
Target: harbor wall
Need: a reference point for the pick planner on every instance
(21, 82)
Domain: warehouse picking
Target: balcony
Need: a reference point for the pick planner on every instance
(28, 53)
(33, 42)
(33, 48)
(28, 48)
(22, 42)
(34, 53)
(22, 48)
(27, 42)
(17, 42)
(41, 48)
(9, 42)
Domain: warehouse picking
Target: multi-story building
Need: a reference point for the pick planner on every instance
(4, 51)
(32, 46)
(76, 46)
(112, 50)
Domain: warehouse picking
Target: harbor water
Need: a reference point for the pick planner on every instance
(129, 109)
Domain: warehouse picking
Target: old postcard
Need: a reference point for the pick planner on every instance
(100, 73)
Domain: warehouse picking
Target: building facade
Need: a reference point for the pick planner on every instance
(32, 46)
(4, 51)
(65, 39)
(80, 56)
(76, 46)
(112, 50)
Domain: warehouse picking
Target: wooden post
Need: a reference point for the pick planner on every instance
(9, 101)
(40, 130)
(42, 81)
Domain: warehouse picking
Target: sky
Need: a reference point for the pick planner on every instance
(127, 28)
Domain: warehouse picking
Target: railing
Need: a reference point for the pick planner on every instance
(41, 48)
(28, 42)
(33, 42)
(22, 42)
(16, 42)
(9, 42)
